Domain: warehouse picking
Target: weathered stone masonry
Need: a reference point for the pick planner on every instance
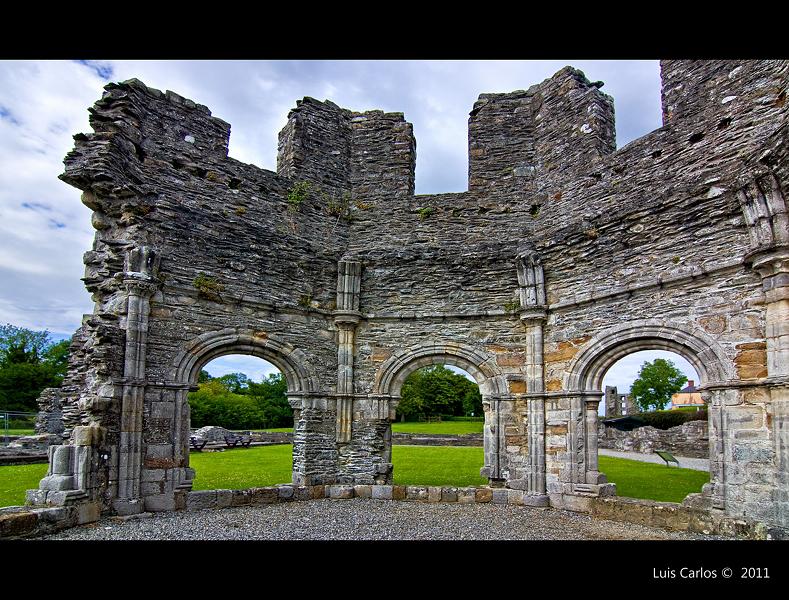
(564, 255)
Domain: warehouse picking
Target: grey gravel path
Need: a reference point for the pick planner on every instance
(697, 464)
(365, 519)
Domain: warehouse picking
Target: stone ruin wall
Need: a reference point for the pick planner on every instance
(690, 440)
(650, 246)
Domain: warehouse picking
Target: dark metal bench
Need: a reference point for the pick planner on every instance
(233, 440)
(667, 456)
(197, 443)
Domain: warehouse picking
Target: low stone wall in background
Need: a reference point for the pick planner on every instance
(421, 439)
(690, 439)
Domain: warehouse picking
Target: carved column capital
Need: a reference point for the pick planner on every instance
(140, 287)
(533, 315)
(346, 318)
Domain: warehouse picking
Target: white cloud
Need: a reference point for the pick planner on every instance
(256, 369)
(43, 103)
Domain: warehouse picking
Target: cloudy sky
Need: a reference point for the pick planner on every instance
(45, 229)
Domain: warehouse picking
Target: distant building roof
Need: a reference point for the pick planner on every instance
(688, 389)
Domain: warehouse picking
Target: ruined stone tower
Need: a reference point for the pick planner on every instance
(564, 255)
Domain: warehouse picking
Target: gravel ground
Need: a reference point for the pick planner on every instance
(697, 464)
(365, 519)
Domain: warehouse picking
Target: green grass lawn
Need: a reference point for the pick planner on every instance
(18, 432)
(241, 468)
(445, 427)
(437, 465)
(652, 481)
(15, 480)
(414, 465)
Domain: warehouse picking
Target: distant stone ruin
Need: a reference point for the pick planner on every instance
(564, 255)
(616, 404)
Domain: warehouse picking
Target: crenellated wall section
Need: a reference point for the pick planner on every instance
(564, 255)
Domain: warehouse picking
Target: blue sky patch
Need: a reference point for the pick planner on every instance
(6, 114)
(102, 70)
(36, 206)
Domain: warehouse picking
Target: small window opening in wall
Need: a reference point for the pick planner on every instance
(648, 395)
(696, 137)
(241, 425)
(724, 123)
(436, 402)
(657, 153)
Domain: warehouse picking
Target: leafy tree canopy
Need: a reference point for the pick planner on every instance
(657, 382)
(234, 401)
(29, 362)
(437, 390)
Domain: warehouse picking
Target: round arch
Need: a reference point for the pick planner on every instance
(480, 365)
(292, 362)
(603, 350)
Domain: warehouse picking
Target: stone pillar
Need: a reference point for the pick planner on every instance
(533, 314)
(766, 215)
(140, 282)
(346, 318)
(593, 475)
(493, 439)
(536, 437)
(715, 490)
(576, 441)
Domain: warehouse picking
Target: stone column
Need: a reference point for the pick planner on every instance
(576, 441)
(593, 475)
(533, 320)
(533, 314)
(715, 490)
(346, 318)
(140, 282)
(767, 218)
(493, 439)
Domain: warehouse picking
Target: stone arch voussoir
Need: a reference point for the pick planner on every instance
(479, 364)
(292, 362)
(604, 349)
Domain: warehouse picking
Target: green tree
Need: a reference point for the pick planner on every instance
(236, 383)
(251, 406)
(437, 390)
(29, 362)
(272, 400)
(657, 382)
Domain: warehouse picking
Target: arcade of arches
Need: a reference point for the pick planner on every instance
(563, 256)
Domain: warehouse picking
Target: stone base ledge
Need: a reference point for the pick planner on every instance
(25, 522)
(691, 516)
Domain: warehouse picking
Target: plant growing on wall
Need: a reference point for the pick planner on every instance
(297, 195)
(424, 213)
(208, 287)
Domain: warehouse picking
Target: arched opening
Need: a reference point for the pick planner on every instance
(240, 425)
(291, 362)
(651, 404)
(437, 436)
(585, 378)
(479, 365)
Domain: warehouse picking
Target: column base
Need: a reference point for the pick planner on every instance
(124, 507)
(540, 500)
